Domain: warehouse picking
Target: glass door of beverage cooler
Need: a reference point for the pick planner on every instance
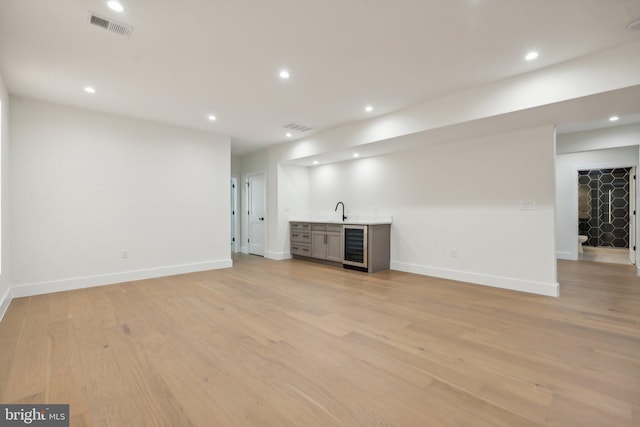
(355, 245)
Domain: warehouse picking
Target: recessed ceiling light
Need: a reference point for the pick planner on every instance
(284, 74)
(89, 89)
(356, 155)
(315, 162)
(289, 135)
(212, 117)
(115, 6)
(368, 108)
(614, 118)
(531, 55)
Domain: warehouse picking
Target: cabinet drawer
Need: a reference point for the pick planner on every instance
(300, 236)
(300, 249)
(319, 227)
(301, 226)
(334, 228)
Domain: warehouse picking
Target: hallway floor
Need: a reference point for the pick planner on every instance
(602, 254)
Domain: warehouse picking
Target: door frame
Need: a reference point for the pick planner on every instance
(574, 196)
(633, 215)
(247, 215)
(235, 213)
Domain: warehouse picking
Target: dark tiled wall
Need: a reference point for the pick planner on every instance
(593, 193)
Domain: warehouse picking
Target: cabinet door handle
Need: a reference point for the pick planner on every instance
(325, 239)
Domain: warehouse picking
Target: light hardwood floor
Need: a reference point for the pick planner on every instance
(601, 254)
(291, 343)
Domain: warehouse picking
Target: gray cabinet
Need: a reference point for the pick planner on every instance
(300, 238)
(326, 242)
(318, 245)
(334, 246)
(379, 247)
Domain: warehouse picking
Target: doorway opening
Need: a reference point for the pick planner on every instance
(606, 215)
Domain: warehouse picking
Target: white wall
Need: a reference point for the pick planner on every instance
(4, 201)
(567, 167)
(236, 166)
(293, 202)
(86, 185)
(610, 137)
(287, 197)
(463, 195)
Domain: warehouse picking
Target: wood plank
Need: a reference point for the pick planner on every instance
(27, 379)
(295, 343)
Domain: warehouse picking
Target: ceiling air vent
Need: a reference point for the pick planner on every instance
(108, 24)
(297, 127)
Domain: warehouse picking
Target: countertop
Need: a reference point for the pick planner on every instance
(356, 221)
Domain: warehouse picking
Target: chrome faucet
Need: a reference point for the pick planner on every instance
(344, 218)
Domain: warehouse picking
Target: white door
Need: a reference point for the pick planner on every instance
(632, 215)
(234, 214)
(256, 192)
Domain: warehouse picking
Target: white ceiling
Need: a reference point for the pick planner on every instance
(190, 58)
(578, 114)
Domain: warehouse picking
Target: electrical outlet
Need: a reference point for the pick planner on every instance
(528, 205)
(125, 254)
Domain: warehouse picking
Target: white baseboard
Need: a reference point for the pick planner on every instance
(541, 288)
(278, 256)
(4, 302)
(638, 271)
(244, 249)
(30, 289)
(569, 256)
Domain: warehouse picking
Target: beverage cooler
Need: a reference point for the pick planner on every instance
(355, 246)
